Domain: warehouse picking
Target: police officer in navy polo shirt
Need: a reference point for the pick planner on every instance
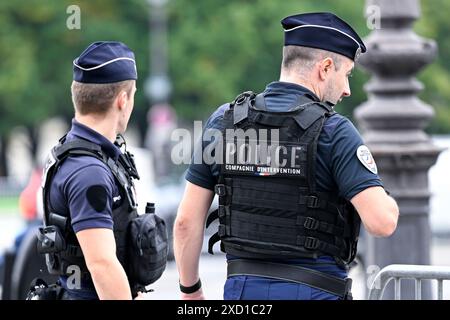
(288, 222)
(84, 198)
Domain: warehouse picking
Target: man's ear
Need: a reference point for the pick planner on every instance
(325, 66)
(122, 99)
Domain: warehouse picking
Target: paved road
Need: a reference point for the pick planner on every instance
(213, 273)
(10, 225)
(213, 268)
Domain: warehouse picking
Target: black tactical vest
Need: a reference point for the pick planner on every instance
(66, 251)
(269, 207)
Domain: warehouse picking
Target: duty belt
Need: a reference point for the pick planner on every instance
(287, 272)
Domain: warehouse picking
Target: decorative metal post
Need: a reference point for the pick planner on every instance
(158, 86)
(392, 122)
(161, 117)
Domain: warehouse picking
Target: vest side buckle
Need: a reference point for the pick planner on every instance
(220, 190)
(312, 202)
(311, 223)
(311, 243)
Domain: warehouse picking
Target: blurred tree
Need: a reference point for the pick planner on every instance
(217, 49)
(435, 24)
(223, 47)
(37, 49)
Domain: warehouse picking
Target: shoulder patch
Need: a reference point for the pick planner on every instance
(364, 155)
(97, 197)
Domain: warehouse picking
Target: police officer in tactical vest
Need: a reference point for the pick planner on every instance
(293, 179)
(92, 235)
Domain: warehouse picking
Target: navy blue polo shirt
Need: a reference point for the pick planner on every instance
(70, 185)
(338, 168)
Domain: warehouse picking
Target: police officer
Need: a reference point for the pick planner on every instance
(289, 222)
(85, 178)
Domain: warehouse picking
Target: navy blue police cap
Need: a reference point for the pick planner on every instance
(322, 30)
(105, 62)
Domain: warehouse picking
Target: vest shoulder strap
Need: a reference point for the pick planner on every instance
(311, 111)
(75, 146)
(241, 105)
(309, 115)
(58, 154)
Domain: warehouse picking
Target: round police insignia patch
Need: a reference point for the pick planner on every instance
(364, 155)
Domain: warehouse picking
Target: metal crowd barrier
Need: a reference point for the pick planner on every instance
(418, 273)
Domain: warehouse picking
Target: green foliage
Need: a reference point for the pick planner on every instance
(37, 49)
(217, 49)
(221, 48)
(434, 24)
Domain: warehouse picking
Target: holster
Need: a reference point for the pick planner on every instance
(40, 290)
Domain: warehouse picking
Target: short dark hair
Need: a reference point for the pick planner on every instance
(97, 97)
(305, 57)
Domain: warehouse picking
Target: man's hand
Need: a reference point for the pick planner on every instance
(197, 295)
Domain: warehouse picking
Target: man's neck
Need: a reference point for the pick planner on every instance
(302, 82)
(102, 124)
